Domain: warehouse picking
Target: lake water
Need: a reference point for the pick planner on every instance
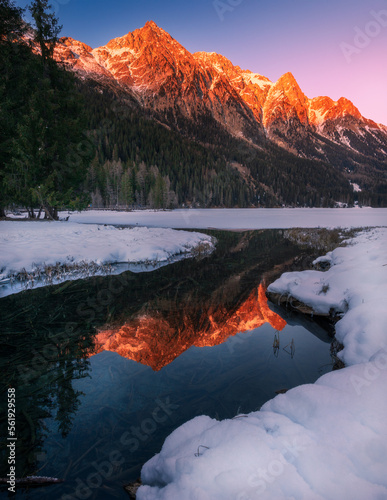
(106, 369)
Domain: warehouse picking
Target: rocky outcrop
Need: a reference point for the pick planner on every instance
(290, 302)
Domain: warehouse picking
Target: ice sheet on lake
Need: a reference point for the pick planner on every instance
(240, 218)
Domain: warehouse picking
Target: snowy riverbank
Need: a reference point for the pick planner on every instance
(326, 440)
(33, 248)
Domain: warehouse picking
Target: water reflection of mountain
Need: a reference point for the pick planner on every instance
(157, 337)
(48, 334)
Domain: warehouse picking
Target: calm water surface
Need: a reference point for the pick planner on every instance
(105, 369)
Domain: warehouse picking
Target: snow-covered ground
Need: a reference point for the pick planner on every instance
(355, 284)
(32, 245)
(239, 218)
(326, 440)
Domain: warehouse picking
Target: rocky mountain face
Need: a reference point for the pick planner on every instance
(161, 75)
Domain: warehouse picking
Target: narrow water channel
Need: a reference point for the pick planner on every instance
(106, 368)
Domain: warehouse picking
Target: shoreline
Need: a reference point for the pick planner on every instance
(53, 252)
(341, 415)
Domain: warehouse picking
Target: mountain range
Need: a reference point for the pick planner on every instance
(186, 91)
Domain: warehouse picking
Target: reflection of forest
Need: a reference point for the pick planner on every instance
(156, 337)
(41, 367)
(48, 334)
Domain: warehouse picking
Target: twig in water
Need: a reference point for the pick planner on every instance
(33, 481)
(198, 454)
(292, 348)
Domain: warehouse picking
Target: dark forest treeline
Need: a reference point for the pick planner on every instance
(141, 162)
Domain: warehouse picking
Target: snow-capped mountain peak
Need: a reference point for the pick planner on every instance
(152, 67)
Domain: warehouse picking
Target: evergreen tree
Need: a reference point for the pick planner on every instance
(12, 26)
(127, 191)
(13, 56)
(43, 148)
(47, 29)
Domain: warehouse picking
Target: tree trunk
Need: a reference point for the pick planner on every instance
(51, 213)
(47, 211)
(2, 212)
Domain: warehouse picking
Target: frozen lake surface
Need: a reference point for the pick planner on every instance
(240, 218)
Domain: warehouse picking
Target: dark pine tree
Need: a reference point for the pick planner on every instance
(44, 149)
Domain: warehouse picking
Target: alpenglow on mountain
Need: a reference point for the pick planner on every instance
(159, 74)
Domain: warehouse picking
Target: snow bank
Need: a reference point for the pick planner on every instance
(240, 218)
(26, 244)
(355, 284)
(326, 440)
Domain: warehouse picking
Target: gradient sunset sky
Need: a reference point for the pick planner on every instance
(305, 37)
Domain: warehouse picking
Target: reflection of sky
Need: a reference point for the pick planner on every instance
(270, 38)
(120, 399)
(238, 375)
(232, 368)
